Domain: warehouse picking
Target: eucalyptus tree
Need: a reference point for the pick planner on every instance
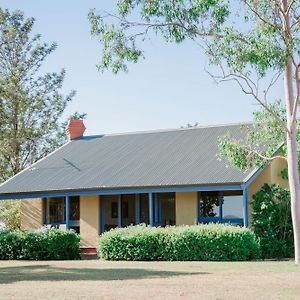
(247, 39)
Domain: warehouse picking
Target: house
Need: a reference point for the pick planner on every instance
(166, 177)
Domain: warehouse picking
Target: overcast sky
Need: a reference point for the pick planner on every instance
(167, 90)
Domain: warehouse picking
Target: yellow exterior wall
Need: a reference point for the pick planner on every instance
(89, 221)
(31, 214)
(186, 208)
(270, 175)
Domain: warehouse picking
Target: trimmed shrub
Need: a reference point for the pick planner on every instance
(11, 244)
(272, 221)
(52, 244)
(212, 242)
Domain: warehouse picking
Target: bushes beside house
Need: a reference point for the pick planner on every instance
(45, 244)
(212, 242)
(272, 221)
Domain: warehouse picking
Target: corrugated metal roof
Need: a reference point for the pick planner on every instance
(179, 157)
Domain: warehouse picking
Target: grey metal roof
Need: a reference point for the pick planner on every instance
(181, 157)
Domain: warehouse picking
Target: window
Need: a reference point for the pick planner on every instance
(232, 206)
(221, 206)
(114, 210)
(55, 211)
(210, 204)
(74, 208)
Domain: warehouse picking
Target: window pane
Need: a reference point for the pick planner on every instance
(55, 208)
(168, 215)
(233, 207)
(144, 208)
(74, 209)
(209, 204)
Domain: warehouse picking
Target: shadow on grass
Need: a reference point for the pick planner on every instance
(51, 273)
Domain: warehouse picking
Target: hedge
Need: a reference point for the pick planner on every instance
(212, 242)
(52, 244)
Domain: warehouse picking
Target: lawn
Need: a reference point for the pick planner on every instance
(148, 280)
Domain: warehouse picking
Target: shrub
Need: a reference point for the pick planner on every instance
(272, 222)
(50, 244)
(212, 242)
(11, 244)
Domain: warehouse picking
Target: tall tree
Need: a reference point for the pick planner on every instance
(31, 103)
(248, 39)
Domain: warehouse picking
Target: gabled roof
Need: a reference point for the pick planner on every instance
(166, 158)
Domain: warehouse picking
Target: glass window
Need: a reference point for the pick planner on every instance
(114, 210)
(74, 208)
(210, 204)
(232, 206)
(55, 210)
(168, 214)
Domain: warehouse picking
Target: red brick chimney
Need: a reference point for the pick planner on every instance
(75, 129)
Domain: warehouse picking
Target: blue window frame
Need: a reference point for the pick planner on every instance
(55, 211)
(220, 207)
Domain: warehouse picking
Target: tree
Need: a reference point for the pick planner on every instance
(262, 139)
(247, 39)
(31, 103)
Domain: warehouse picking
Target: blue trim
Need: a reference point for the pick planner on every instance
(219, 220)
(245, 207)
(67, 201)
(102, 215)
(252, 177)
(137, 209)
(120, 211)
(159, 209)
(156, 209)
(151, 223)
(220, 205)
(122, 191)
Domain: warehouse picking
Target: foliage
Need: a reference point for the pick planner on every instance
(213, 242)
(263, 137)
(272, 222)
(256, 46)
(10, 213)
(52, 244)
(31, 103)
(252, 42)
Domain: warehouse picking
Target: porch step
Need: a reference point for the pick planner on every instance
(88, 256)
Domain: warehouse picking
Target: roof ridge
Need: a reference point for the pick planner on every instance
(169, 129)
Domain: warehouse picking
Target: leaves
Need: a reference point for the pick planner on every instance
(31, 103)
(264, 136)
(272, 221)
(212, 242)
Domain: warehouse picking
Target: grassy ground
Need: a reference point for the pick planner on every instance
(148, 280)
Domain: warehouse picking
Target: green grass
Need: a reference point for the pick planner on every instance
(145, 280)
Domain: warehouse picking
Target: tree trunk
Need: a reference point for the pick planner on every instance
(292, 157)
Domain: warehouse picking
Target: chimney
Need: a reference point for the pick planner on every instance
(75, 129)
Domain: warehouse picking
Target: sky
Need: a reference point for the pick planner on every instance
(169, 89)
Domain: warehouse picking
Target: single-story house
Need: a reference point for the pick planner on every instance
(167, 177)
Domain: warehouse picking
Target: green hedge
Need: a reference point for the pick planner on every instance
(272, 221)
(46, 244)
(212, 242)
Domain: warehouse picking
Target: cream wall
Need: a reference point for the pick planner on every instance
(270, 175)
(32, 214)
(186, 208)
(89, 221)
